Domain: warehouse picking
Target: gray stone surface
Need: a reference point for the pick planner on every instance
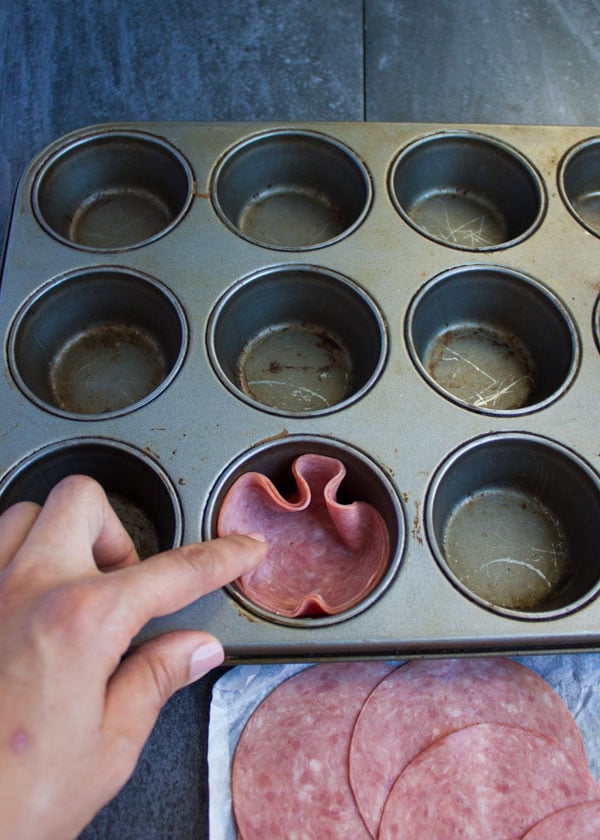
(497, 61)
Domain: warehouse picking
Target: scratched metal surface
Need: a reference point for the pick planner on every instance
(198, 426)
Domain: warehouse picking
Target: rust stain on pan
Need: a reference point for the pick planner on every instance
(416, 528)
(279, 436)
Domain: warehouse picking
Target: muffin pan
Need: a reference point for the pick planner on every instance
(185, 302)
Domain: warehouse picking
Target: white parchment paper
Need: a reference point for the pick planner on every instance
(576, 677)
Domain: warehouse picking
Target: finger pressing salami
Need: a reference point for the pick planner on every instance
(290, 769)
(426, 700)
(324, 557)
(579, 822)
(484, 781)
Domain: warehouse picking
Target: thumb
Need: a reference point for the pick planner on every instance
(147, 678)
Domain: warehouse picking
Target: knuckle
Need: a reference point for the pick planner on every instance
(163, 679)
(72, 610)
(196, 561)
(201, 564)
(78, 485)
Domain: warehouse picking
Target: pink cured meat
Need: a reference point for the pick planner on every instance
(484, 781)
(427, 699)
(290, 769)
(578, 822)
(324, 557)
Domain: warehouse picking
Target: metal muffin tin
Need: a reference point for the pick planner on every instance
(184, 302)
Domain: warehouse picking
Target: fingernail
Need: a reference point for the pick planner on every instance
(206, 657)
(258, 537)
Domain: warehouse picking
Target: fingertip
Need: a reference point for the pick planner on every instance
(204, 658)
(254, 547)
(258, 537)
(259, 547)
(149, 675)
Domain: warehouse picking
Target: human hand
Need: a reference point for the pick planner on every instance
(74, 714)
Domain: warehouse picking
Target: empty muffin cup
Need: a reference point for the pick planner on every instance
(492, 339)
(291, 190)
(112, 190)
(313, 534)
(467, 191)
(514, 522)
(97, 343)
(139, 491)
(579, 183)
(297, 340)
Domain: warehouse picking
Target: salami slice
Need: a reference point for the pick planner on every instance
(484, 781)
(324, 557)
(290, 769)
(427, 699)
(578, 822)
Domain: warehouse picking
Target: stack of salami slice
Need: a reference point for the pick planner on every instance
(457, 748)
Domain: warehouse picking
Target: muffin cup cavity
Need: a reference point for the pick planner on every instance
(137, 488)
(492, 339)
(297, 340)
(512, 520)
(579, 183)
(112, 191)
(291, 190)
(97, 343)
(364, 481)
(467, 191)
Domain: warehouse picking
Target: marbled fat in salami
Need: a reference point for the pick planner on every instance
(484, 781)
(578, 822)
(290, 769)
(427, 699)
(324, 557)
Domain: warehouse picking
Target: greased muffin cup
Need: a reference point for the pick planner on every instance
(185, 303)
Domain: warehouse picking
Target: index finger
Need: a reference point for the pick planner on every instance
(76, 531)
(169, 581)
(15, 524)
